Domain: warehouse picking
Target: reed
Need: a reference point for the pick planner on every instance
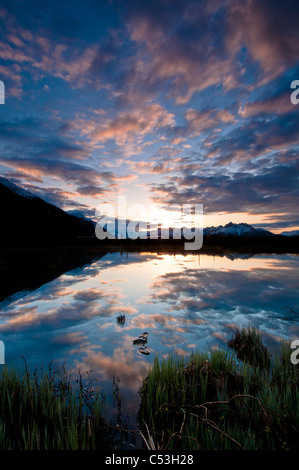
(248, 345)
(40, 411)
(215, 401)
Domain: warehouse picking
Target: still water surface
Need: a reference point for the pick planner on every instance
(183, 302)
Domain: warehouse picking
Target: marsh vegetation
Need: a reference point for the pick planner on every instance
(217, 401)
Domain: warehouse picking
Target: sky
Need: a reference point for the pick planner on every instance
(167, 103)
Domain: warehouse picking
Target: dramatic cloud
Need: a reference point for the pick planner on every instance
(184, 100)
(268, 31)
(240, 192)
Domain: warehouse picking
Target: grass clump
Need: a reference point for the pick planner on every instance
(39, 411)
(215, 401)
(248, 345)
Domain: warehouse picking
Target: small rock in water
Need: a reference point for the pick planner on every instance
(139, 341)
(144, 335)
(144, 350)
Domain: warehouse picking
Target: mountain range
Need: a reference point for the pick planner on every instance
(29, 219)
(292, 233)
(237, 230)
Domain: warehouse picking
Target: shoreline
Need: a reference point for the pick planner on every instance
(241, 399)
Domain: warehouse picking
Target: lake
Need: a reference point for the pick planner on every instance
(183, 302)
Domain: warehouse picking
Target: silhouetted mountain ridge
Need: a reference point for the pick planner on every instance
(237, 230)
(28, 219)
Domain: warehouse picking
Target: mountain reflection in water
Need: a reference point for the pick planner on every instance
(183, 302)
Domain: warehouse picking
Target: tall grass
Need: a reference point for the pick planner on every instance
(248, 344)
(39, 411)
(216, 401)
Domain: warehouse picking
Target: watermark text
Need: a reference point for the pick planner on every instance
(121, 222)
(2, 352)
(295, 94)
(2, 92)
(295, 354)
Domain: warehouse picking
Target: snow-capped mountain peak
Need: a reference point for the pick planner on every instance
(80, 215)
(292, 233)
(232, 229)
(77, 213)
(16, 189)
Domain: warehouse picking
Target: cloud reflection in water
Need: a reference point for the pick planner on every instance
(184, 302)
